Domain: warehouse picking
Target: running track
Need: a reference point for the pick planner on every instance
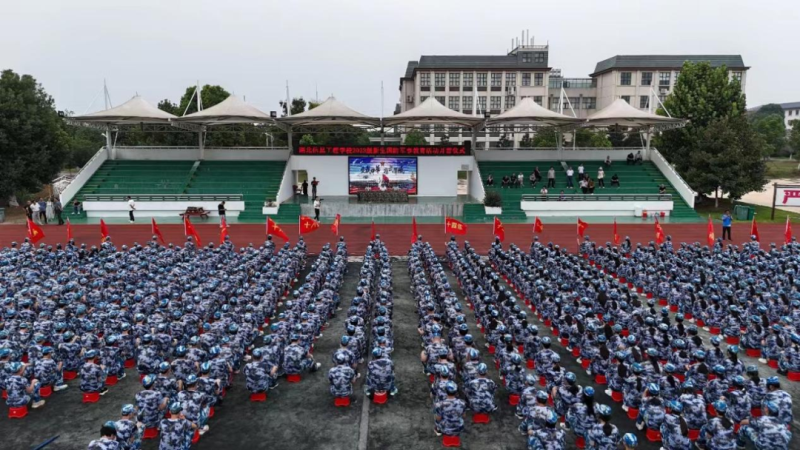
(397, 236)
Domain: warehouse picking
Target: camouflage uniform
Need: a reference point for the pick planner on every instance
(597, 439)
(380, 375)
(15, 389)
(341, 378)
(104, 444)
(480, 394)
(295, 359)
(450, 416)
(715, 436)
(129, 435)
(547, 439)
(147, 402)
(176, 434)
(784, 402)
(93, 378)
(766, 433)
(257, 377)
(671, 436)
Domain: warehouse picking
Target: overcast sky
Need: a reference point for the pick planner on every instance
(347, 47)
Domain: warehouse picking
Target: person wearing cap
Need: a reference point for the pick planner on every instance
(567, 394)
(93, 376)
(536, 416)
(108, 438)
(297, 359)
(694, 406)
(48, 371)
(342, 376)
(781, 398)
(550, 437)
(177, 431)
(652, 411)
(19, 390)
(790, 359)
(449, 413)
(739, 402)
(380, 374)
(719, 431)
(129, 429)
(629, 441)
(675, 430)
(195, 404)
(150, 403)
(257, 374)
(766, 432)
(603, 435)
(580, 416)
(480, 392)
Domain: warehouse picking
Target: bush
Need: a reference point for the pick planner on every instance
(493, 199)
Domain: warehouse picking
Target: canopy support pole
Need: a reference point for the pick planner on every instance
(289, 138)
(201, 143)
(109, 143)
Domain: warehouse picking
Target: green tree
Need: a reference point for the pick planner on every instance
(772, 128)
(33, 143)
(415, 137)
(585, 137)
(545, 138)
(312, 104)
(307, 139)
(83, 143)
(718, 147)
(525, 141)
(210, 96)
(505, 142)
(794, 137)
(727, 159)
(768, 109)
(298, 106)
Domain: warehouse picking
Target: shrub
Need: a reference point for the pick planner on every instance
(493, 199)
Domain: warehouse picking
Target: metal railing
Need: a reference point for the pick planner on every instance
(163, 197)
(597, 198)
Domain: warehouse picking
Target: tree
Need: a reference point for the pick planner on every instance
(545, 138)
(33, 143)
(772, 128)
(210, 96)
(415, 137)
(718, 148)
(298, 106)
(768, 109)
(727, 159)
(585, 137)
(505, 142)
(307, 139)
(525, 141)
(794, 137)
(312, 105)
(83, 143)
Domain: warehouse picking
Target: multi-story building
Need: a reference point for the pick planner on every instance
(479, 85)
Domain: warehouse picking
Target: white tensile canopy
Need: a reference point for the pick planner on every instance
(528, 112)
(330, 112)
(134, 111)
(621, 114)
(229, 111)
(432, 112)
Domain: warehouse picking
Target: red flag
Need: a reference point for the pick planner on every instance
(35, 233)
(103, 230)
(373, 229)
(335, 224)
(308, 225)
(223, 232)
(616, 235)
(190, 231)
(582, 226)
(69, 230)
(498, 229)
(538, 226)
(754, 230)
(414, 230)
(710, 233)
(275, 230)
(660, 237)
(788, 233)
(454, 226)
(156, 232)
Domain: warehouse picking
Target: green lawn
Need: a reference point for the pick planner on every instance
(763, 213)
(783, 168)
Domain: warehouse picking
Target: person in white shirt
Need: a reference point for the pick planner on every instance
(600, 175)
(584, 186)
(35, 211)
(580, 171)
(131, 208)
(317, 205)
(520, 180)
(570, 174)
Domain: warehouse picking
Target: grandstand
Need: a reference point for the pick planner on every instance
(636, 179)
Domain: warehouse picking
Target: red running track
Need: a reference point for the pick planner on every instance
(396, 236)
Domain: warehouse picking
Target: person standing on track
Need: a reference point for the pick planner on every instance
(131, 208)
(727, 221)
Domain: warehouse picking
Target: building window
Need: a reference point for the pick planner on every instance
(439, 80)
(495, 103)
(677, 74)
(526, 79)
(482, 80)
(625, 78)
(538, 99)
(440, 99)
(510, 101)
(538, 79)
(455, 79)
(511, 79)
(538, 57)
(661, 98)
(589, 102)
(482, 104)
(423, 98)
(644, 101)
(497, 79)
(453, 103)
(424, 79)
(647, 78)
(467, 80)
(527, 57)
(737, 76)
(466, 104)
(663, 78)
(627, 98)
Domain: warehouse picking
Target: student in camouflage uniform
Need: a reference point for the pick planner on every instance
(480, 392)
(449, 413)
(108, 438)
(129, 429)
(48, 371)
(766, 432)
(718, 433)
(194, 404)
(380, 374)
(674, 429)
(177, 431)
(603, 435)
(548, 438)
(150, 403)
(93, 377)
(19, 390)
(256, 375)
(297, 359)
(781, 398)
(342, 376)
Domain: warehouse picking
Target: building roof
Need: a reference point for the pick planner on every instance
(620, 114)
(330, 112)
(476, 62)
(231, 110)
(432, 112)
(528, 112)
(135, 110)
(791, 105)
(665, 62)
(412, 66)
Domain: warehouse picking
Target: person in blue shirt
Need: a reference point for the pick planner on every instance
(727, 220)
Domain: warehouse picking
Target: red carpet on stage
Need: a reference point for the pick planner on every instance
(397, 236)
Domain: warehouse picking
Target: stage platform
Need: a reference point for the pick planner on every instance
(351, 207)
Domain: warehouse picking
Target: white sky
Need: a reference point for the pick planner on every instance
(347, 47)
